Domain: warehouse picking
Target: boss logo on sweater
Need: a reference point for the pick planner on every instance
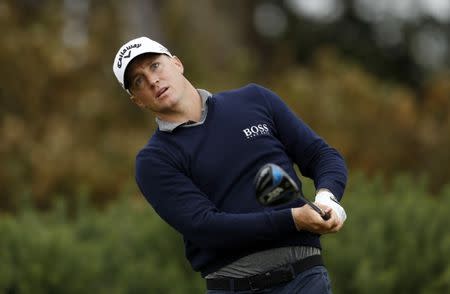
(256, 130)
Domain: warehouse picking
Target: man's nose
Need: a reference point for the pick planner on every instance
(154, 80)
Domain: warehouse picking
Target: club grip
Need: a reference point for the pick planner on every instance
(326, 216)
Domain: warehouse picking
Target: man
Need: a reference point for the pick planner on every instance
(197, 171)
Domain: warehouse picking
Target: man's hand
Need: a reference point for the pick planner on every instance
(325, 197)
(305, 218)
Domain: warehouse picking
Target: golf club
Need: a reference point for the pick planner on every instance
(274, 187)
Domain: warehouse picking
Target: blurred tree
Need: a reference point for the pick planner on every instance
(403, 41)
(67, 126)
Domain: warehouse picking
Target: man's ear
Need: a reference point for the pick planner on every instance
(178, 63)
(137, 101)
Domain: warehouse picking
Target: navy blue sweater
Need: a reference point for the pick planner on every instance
(200, 179)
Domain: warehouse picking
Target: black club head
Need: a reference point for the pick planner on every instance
(274, 186)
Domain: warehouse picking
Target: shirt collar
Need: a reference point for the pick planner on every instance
(166, 126)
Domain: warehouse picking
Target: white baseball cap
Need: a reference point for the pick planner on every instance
(132, 49)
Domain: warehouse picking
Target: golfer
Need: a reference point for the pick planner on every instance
(197, 171)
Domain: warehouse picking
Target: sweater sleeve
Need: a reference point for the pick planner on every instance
(314, 157)
(182, 205)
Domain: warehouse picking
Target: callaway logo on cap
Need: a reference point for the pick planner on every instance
(132, 49)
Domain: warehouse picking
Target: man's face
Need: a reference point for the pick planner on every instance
(156, 82)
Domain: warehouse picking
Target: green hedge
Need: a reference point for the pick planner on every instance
(125, 249)
(395, 240)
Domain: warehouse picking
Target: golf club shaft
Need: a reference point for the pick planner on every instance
(324, 215)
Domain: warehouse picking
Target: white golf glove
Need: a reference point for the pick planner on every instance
(327, 198)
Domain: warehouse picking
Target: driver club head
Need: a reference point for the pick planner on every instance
(274, 186)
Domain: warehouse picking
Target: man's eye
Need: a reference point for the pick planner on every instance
(155, 65)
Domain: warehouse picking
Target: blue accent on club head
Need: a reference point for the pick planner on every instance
(277, 175)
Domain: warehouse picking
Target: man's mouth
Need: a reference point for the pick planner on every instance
(161, 92)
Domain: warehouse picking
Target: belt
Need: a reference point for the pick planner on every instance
(265, 280)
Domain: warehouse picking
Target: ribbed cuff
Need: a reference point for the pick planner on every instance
(283, 221)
